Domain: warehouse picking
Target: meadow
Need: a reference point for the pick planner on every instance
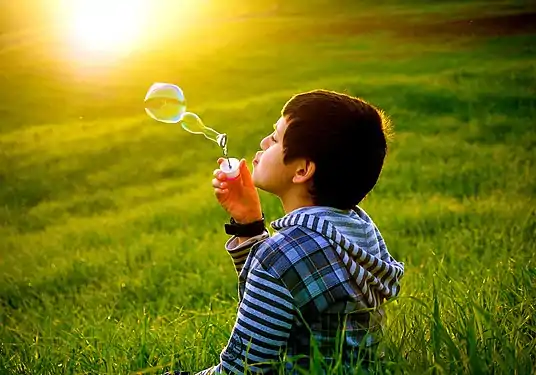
(111, 241)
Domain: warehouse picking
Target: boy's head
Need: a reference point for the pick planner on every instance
(327, 147)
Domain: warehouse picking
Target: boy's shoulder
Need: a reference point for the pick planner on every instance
(290, 245)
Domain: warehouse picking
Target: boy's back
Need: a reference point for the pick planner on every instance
(321, 277)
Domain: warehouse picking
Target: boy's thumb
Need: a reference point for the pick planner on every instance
(245, 173)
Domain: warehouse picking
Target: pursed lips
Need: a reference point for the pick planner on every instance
(257, 157)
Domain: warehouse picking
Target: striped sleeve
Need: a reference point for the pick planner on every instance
(239, 253)
(262, 327)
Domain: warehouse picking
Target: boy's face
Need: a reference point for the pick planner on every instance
(269, 172)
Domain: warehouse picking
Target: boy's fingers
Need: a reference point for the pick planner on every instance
(218, 184)
(219, 175)
(245, 173)
(220, 160)
(220, 193)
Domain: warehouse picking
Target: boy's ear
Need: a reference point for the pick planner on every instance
(305, 170)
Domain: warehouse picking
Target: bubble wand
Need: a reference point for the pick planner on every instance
(166, 103)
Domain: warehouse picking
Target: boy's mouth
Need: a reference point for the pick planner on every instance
(257, 158)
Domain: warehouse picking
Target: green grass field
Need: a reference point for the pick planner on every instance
(111, 241)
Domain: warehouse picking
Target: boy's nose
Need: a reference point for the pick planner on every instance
(263, 143)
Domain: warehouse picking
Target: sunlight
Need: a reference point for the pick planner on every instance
(108, 26)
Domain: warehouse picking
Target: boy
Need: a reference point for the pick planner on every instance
(326, 271)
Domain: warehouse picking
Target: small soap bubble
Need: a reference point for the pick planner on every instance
(165, 102)
(193, 124)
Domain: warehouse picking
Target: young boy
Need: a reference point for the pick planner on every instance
(324, 274)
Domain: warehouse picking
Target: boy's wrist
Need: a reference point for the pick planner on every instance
(241, 240)
(249, 219)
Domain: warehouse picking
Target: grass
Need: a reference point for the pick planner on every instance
(111, 243)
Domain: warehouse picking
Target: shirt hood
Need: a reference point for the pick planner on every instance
(358, 243)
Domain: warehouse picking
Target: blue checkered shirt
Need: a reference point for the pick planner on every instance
(319, 281)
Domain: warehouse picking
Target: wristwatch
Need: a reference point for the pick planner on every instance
(245, 230)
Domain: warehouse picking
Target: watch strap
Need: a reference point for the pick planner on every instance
(245, 230)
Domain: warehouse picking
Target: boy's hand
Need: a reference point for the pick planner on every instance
(239, 196)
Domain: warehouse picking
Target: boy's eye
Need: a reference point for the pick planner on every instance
(273, 138)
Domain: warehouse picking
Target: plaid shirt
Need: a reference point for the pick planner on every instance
(325, 272)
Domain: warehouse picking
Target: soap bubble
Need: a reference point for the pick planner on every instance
(193, 124)
(165, 102)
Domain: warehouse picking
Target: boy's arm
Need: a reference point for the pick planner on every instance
(262, 328)
(239, 248)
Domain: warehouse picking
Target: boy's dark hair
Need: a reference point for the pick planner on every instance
(346, 139)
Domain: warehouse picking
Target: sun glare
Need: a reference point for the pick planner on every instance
(108, 26)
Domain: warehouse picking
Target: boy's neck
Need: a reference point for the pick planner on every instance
(294, 200)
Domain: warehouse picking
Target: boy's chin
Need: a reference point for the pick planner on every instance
(256, 181)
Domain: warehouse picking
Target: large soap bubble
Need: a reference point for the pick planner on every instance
(165, 102)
